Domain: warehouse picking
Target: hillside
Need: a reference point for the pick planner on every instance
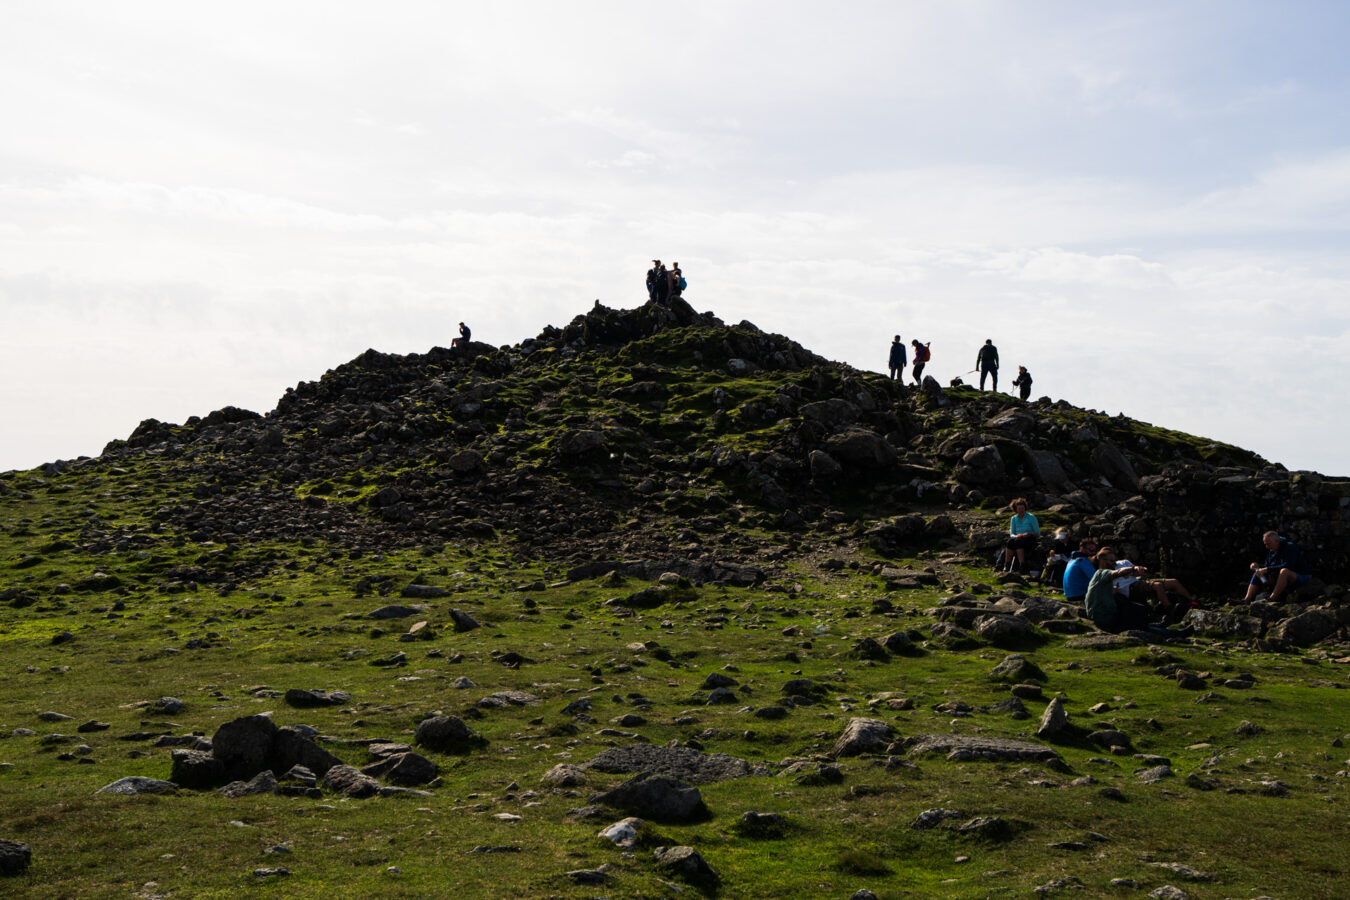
(479, 592)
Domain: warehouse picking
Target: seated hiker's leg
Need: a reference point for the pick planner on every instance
(1283, 584)
(1253, 588)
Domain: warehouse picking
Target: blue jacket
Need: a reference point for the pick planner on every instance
(1287, 556)
(1077, 574)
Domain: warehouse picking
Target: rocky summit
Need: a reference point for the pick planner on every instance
(658, 605)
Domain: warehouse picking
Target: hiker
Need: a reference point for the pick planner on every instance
(1058, 558)
(1285, 569)
(1023, 534)
(652, 275)
(898, 361)
(987, 362)
(921, 356)
(461, 343)
(677, 282)
(1079, 571)
(662, 285)
(1109, 610)
(1139, 590)
(1022, 382)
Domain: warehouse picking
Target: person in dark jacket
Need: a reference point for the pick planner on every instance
(652, 275)
(461, 343)
(1022, 382)
(898, 360)
(1285, 569)
(987, 362)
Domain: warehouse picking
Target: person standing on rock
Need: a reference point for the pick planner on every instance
(1024, 533)
(677, 282)
(987, 362)
(898, 360)
(653, 274)
(1022, 382)
(1285, 569)
(921, 356)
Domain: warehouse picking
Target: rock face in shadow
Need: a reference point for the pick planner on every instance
(658, 798)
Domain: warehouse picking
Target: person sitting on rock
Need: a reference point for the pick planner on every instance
(461, 343)
(1079, 571)
(1157, 590)
(1024, 533)
(1058, 559)
(1109, 610)
(898, 360)
(1286, 569)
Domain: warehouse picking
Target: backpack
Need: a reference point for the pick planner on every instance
(683, 284)
(922, 353)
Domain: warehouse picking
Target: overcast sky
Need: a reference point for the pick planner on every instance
(1146, 204)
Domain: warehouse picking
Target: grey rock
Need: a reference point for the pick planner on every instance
(565, 776)
(134, 785)
(463, 621)
(981, 747)
(169, 706)
(1005, 630)
(1053, 719)
(990, 828)
(195, 769)
(313, 698)
(1155, 774)
(862, 736)
(14, 857)
(824, 467)
(393, 612)
(447, 734)
(658, 798)
(981, 466)
(351, 782)
(403, 769)
(1306, 628)
(860, 447)
(686, 864)
(1017, 668)
(262, 783)
(932, 818)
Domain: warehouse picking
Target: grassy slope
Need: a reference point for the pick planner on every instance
(289, 628)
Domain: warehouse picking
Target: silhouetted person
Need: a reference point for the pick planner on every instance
(1022, 382)
(921, 356)
(461, 343)
(898, 360)
(987, 362)
(652, 274)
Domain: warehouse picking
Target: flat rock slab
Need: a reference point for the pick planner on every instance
(675, 762)
(980, 747)
(1102, 642)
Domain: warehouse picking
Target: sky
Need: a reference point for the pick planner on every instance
(1144, 203)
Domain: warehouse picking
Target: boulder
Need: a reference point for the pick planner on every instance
(351, 782)
(403, 768)
(14, 857)
(686, 864)
(658, 798)
(1306, 628)
(981, 467)
(862, 736)
(262, 783)
(447, 734)
(861, 448)
(243, 745)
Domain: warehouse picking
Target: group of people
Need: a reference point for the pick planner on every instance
(663, 283)
(986, 363)
(1119, 595)
(898, 359)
